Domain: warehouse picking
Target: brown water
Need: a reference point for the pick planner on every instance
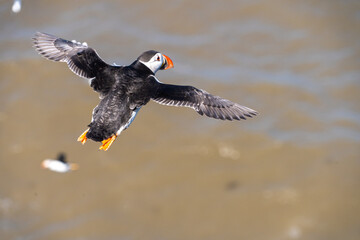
(291, 173)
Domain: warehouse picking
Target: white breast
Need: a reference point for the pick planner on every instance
(56, 166)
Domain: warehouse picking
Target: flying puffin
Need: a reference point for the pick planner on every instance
(124, 90)
(59, 164)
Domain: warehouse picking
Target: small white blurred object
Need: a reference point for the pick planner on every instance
(16, 7)
(59, 165)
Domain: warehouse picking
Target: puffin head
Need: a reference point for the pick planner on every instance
(155, 61)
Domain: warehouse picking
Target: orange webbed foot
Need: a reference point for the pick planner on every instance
(107, 143)
(83, 137)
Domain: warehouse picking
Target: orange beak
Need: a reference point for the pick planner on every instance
(168, 62)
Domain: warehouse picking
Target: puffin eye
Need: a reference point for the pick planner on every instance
(158, 58)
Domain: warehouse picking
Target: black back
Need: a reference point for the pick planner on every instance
(62, 157)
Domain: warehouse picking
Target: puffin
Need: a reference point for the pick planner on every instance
(124, 90)
(59, 164)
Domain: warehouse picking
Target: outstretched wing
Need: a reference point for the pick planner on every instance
(81, 59)
(202, 102)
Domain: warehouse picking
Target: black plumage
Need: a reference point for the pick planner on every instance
(61, 157)
(125, 89)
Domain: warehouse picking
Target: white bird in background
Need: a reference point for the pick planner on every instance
(16, 7)
(59, 165)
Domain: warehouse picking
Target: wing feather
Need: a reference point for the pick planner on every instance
(202, 102)
(81, 59)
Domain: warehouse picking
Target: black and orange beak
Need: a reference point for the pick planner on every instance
(168, 63)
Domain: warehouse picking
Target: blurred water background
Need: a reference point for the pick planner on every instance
(293, 172)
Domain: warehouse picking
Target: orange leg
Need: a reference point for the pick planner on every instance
(83, 137)
(107, 143)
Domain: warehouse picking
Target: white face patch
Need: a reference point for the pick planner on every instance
(155, 63)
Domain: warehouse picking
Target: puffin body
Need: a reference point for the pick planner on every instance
(119, 106)
(124, 90)
(59, 165)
